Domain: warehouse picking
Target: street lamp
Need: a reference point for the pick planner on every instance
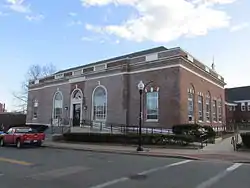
(141, 87)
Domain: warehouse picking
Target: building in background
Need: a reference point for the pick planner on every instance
(184, 90)
(2, 107)
(237, 104)
(10, 119)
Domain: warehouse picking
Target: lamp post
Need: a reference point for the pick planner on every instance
(141, 87)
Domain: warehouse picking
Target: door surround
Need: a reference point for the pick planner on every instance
(76, 101)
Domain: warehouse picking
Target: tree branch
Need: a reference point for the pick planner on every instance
(34, 72)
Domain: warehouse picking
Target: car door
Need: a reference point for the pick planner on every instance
(8, 137)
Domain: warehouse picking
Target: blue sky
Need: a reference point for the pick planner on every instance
(69, 33)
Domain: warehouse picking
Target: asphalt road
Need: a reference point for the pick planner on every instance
(54, 168)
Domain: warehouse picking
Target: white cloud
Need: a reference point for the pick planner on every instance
(34, 17)
(18, 6)
(239, 27)
(165, 20)
(72, 14)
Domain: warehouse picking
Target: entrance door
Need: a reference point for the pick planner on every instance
(76, 115)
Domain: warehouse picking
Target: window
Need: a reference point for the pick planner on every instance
(220, 110)
(35, 109)
(248, 106)
(77, 95)
(59, 76)
(208, 107)
(57, 105)
(100, 104)
(100, 67)
(77, 72)
(243, 107)
(152, 106)
(10, 131)
(234, 108)
(214, 110)
(230, 108)
(152, 57)
(26, 130)
(200, 108)
(190, 106)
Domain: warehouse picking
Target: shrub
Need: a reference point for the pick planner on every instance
(199, 132)
(246, 139)
(185, 128)
(147, 139)
(209, 131)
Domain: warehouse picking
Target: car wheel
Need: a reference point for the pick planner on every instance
(1, 142)
(39, 144)
(18, 143)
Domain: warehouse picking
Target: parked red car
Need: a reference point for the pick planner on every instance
(20, 136)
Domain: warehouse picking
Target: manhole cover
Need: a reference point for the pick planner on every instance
(138, 177)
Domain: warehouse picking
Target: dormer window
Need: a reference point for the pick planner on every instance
(100, 67)
(59, 76)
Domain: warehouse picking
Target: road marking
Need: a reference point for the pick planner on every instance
(13, 161)
(122, 179)
(215, 179)
(57, 173)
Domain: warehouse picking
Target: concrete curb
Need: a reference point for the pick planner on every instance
(144, 153)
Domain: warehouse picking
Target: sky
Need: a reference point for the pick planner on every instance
(69, 33)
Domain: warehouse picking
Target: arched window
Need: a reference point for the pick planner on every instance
(191, 95)
(99, 105)
(208, 106)
(200, 107)
(220, 110)
(57, 105)
(35, 108)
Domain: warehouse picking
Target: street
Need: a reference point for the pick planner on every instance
(55, 168)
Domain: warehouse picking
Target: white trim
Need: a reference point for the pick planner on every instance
(92, 102)
(151, 120)
(53, 104)
(132, 72)
(242, 101)
(73, 101)
(76, 80)
(99, 65)
(230, 104)
(37, 123)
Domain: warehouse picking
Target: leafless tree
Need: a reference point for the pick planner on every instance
(34, 72)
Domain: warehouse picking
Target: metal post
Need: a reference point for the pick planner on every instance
(139, 148)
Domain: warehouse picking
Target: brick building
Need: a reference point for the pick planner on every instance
(183, 90)
(237, 104)
(2, 108)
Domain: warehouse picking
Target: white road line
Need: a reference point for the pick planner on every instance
(119, 180)
(215, 179)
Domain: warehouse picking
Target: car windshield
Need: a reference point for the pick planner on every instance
(25, 130)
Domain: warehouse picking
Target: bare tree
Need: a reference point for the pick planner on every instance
(34, 72)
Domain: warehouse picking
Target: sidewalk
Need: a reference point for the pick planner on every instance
(155, 152)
